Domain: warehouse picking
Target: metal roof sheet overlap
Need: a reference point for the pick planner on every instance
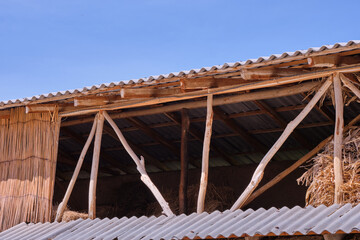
(261, 222)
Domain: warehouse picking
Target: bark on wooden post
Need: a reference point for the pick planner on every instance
(259, 172)
(95, 165)
(185, 124)
(62, 205)
(205, 155)
(338, 139)
(140, 165)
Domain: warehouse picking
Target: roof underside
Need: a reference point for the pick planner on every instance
(271, 222)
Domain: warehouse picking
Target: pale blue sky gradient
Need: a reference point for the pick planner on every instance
(48, 46)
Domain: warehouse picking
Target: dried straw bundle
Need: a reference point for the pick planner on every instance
(28, 152)
(320, 176)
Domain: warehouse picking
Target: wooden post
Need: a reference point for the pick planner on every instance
(185, 124)
(205, 155)
(338, 139)
(95, 165)
(140, 165)
(259, 172)
(62, 205)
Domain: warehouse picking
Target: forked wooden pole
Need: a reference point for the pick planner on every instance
(205, 155)
(349, 85)
(338, 139)
(95, 165)
(62, 205)
(140, 164)
(259, 172)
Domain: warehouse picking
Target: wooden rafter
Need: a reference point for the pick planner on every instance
(239, 130)
(153, 134)
(281, 122)
(137, 148)
(105, 156)
(258, 95)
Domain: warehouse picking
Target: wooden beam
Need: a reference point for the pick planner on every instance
(90, 101)
(63, 204)
(281, 122)
(38, 108)
(208, 82)
(183, 199)
(338, 139)
(153, 134)
(269, 73)
(324, 61)
(131, 93)
(108, 130)
(205, 155)
(140, 164)
(258, 174)
(95, 165)
(259, 95)
(257, 145)
(105, 156)
(216, 91)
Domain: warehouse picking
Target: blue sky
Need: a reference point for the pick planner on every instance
(48, 46)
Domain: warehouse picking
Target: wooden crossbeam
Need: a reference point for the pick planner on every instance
(281, 122)
(259, 95)
(37, 108)
(105, 156)
(257, 145)
(127, 93)
(208, 82)
(108, 130)
(153, 134)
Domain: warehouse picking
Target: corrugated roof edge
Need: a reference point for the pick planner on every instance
(261, 222)
(273, 57)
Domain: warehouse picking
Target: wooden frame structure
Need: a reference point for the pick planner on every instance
(314, 73)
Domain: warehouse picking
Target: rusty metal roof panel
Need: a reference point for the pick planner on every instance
(284, 221)
(152, 79)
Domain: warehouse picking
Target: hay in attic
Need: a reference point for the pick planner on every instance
(320, 176)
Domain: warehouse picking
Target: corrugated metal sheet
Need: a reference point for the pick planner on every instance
(284, 221)
(151, 80)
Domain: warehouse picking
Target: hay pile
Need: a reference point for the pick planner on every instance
(68, 214)
(320, 176)
(217, 198)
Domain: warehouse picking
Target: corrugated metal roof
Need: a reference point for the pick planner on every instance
(152, 79)
(284, 221)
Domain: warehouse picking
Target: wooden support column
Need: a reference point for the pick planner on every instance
(62, 205)
(205, 155)
(338, 139)
(185, 124)
(140, 164)
(95, 165)
(259, 172)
